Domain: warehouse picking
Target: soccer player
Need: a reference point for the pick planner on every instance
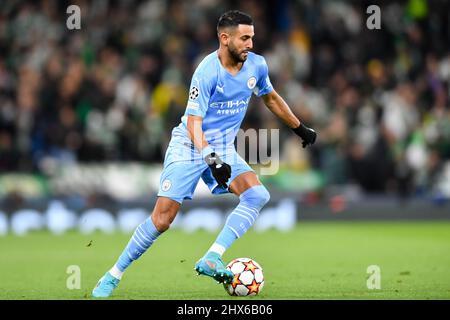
(202, 146)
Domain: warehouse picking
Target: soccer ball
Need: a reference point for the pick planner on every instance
(248, 278)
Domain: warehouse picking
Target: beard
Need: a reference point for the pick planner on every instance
(236, 55)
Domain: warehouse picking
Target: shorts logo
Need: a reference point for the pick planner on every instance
(166, 185)
(251, 83)
(193, 94)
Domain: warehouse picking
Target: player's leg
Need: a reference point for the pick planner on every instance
(146, 233)
(178, 181)
(253, 196)
(143, 237)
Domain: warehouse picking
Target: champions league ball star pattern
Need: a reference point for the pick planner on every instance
(248, 278)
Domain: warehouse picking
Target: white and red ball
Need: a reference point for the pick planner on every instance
(248, 277)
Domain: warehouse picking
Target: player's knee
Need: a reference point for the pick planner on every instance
(161, 223)
(162, 219)
(256, 196)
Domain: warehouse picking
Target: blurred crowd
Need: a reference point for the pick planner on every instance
(113, 90)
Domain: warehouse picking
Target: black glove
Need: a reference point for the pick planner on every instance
(308, 135)
(220, 170)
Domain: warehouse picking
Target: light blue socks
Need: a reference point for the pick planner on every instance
(242, 218)
(143, 237)
(238, 222)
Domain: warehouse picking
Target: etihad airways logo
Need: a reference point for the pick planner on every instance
(230, 104)
(231, 111)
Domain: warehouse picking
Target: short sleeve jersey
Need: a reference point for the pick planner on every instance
(221, 98)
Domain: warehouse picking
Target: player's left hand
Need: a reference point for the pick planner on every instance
(308, 135)
(221, 171)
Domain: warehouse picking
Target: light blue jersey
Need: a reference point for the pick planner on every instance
(221, 99)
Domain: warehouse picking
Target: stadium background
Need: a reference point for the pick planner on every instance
(86, 115)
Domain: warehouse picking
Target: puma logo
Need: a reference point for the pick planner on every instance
(220, 88)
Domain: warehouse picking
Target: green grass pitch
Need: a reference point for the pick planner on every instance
(317, 260)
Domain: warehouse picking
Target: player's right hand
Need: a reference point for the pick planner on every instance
(221, 171)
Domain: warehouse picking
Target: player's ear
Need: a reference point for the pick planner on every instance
(224, 38)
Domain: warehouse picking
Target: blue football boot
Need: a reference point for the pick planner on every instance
(105, 286)
(211, 265)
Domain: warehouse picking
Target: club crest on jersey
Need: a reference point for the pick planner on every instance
(193, 94)
(166, 185)
(251, 83)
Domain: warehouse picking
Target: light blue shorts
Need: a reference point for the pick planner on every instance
(183, 168)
